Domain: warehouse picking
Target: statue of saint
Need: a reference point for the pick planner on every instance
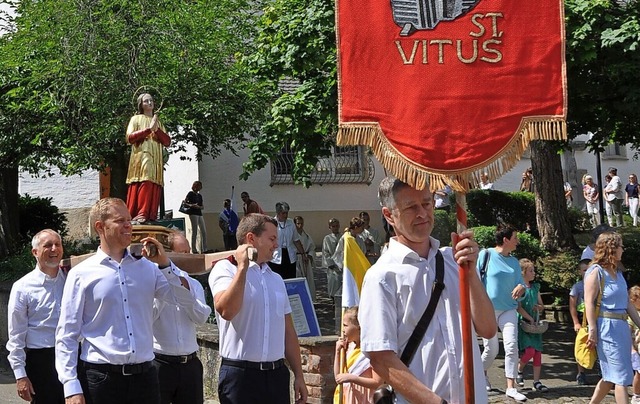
(147, 137)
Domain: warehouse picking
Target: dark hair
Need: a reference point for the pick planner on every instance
(355, 222)
(585, 261)
(253, 223)
(282, 207)
(503, 231)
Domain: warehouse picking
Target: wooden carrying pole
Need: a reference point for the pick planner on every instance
(465, 306)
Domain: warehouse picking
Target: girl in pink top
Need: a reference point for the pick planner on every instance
(358, 379)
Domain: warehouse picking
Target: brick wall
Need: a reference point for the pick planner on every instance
(317, 364)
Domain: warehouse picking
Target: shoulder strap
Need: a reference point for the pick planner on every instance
(423, 324)
(598, 300)
(483, 267)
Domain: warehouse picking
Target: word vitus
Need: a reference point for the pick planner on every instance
(467, 51)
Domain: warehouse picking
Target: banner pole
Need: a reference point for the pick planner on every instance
(465, 306)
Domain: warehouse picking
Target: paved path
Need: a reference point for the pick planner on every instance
(558, 373)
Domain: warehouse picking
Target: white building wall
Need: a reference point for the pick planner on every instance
(316, 204)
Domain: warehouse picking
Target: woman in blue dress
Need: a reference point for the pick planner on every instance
(608, 328)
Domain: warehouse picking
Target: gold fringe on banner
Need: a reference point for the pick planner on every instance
(420, 176)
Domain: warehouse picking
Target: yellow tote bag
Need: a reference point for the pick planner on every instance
(586, 357)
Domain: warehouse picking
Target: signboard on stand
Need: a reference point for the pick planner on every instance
(303, 313)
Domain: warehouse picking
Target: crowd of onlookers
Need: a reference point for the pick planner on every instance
(120, 326)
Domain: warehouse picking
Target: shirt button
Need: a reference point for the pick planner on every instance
(125, 300)
(130, 334)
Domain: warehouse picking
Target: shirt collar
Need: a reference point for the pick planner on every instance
(102, 256)
(42, 277)
(405, 252)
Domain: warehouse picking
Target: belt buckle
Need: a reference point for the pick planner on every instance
(124, 372)
(262, 367)
(184, 359)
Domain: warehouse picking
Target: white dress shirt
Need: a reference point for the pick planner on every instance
(174, 329)
(617, 187)
(287, 236)
(34, 309)
(256, 333)
(395, 293)
(109, 306)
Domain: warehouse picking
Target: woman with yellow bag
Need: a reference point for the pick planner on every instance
(608, 328)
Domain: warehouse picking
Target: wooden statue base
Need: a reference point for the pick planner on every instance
(193, 264)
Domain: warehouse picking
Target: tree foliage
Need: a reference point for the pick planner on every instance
(296, 46)
(603, 69)
(70, 69)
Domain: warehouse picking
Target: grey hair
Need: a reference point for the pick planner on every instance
(35, 241)
(388, 189)
(282, 207)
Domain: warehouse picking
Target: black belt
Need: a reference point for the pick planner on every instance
(126, 370)
(254, 365)
(175, 358)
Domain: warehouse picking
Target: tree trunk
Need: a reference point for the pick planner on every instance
(551, 212)
(8, 211)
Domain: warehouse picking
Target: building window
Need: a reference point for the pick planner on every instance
(615, 151)
(347, 164)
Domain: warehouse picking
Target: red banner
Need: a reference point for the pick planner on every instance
(444, 89)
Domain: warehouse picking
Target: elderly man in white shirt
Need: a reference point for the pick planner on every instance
(107, 305)
(34, 309)
(254, 321)
(396, 291)
(289, 248)
(174, 340)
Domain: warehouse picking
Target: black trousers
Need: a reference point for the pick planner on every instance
(180, 383)
(230, 241)
(41, 370)
(109, 387)
(286, 268)
(253, 386)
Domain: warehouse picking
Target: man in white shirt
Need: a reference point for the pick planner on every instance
(107, 305)
(396, 291)
(373, 239)
(254, 321)
(174, 340)
(290, 248)
(441, 198)
(34, 309)
(616, 188)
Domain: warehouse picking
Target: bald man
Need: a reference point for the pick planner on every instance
(174, 340)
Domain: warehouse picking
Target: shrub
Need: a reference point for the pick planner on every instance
(15, 266)
(529, 246)
(444, 225)
(579, 220)
(487, 208)
(559, 271)
(37, 213)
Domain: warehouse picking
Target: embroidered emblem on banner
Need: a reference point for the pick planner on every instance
(442, 90)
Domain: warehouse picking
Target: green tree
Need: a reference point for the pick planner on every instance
(603, 69)
(296, 40)
(295, 60)
(69, 70)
